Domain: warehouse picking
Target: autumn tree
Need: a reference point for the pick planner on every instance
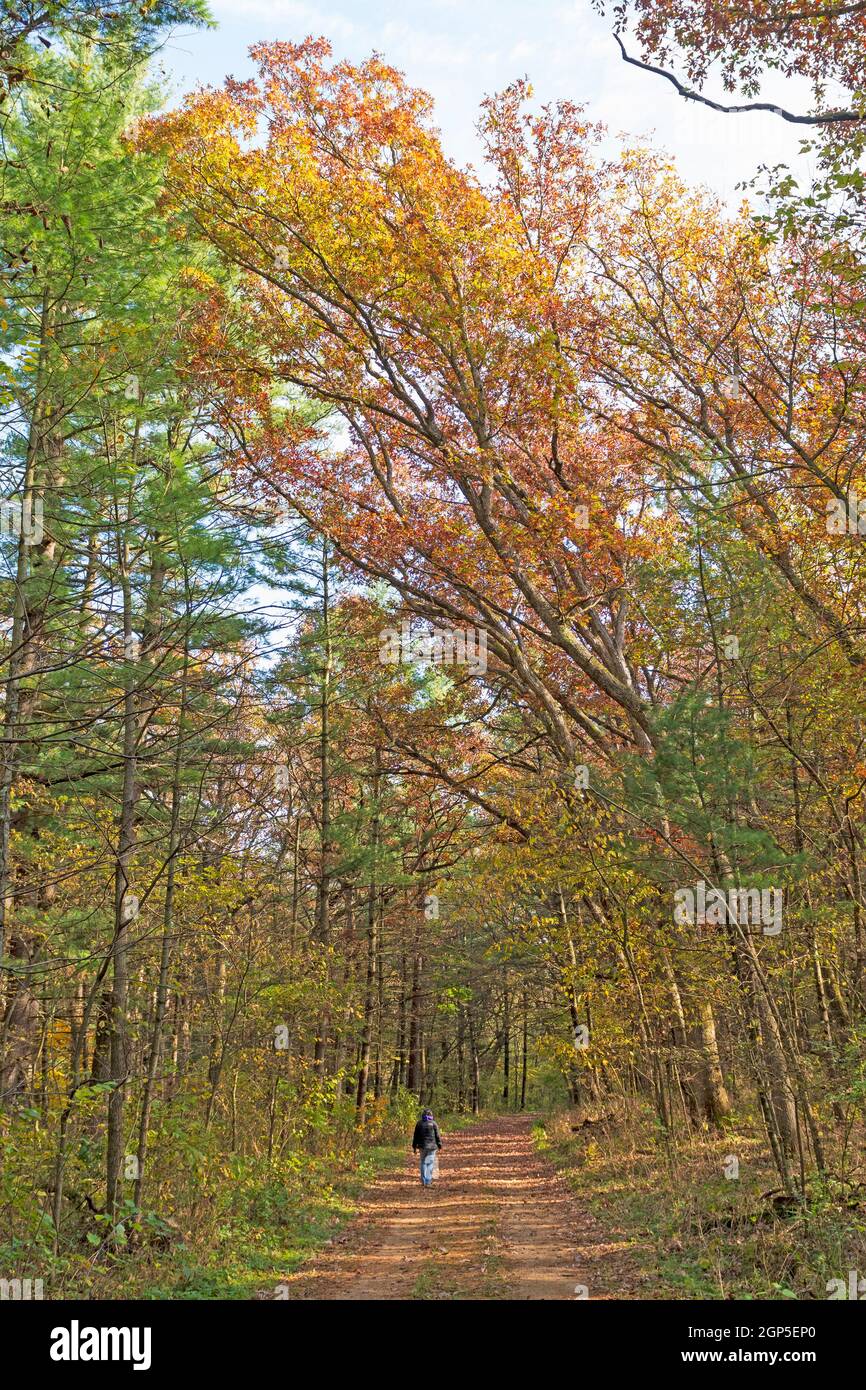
(821, 40)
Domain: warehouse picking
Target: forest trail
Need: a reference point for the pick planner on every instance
(499, 1223)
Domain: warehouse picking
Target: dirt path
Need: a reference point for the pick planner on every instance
(499, 1223)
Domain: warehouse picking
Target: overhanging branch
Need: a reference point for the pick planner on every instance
(823, 118)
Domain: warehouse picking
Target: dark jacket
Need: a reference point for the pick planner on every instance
(426, 1136)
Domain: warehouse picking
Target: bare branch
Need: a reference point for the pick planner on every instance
(823, 118)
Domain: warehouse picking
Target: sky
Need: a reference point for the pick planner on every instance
(461, 50)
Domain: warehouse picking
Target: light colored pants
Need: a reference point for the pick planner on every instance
(427, 1161)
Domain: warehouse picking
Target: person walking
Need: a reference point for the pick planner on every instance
(426, 1141)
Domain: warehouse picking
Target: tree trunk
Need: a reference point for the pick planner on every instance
(370, 982)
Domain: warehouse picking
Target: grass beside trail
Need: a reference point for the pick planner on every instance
(244, 1232)
(695, 1232)
(285, 1228)
(214, 1226)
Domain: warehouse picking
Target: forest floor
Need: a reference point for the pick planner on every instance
(498, 1223)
